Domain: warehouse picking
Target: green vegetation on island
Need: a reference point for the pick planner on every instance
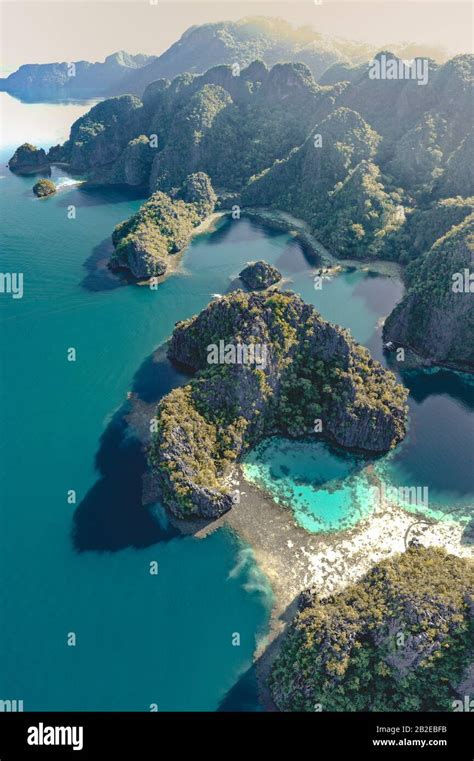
(259, 275)
(436, 316)
(162, 226)
(401, 639)
(375, 168)
(298, 368)
(44, 188)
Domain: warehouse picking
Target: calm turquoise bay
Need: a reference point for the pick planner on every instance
(84, 567)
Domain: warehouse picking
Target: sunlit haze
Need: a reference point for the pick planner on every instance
(92, 31)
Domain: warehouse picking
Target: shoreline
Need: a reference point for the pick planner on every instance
(175, 260)
(293, 559)
(300, 231)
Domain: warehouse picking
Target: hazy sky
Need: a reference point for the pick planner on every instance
(69, 30)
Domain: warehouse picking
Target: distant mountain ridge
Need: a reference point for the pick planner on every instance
(271, 40)
(80, 79)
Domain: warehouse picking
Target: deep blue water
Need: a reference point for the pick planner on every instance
(84, 568)
(438, 452)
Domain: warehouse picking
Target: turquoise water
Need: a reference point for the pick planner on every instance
(324, 487)
(84, 567)
(438, 452)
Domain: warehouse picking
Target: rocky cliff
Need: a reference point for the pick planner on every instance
(162, 227)
(264, 363)
(27, 159)
(436, 316)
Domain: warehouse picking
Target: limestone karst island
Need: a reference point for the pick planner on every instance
(237, 438)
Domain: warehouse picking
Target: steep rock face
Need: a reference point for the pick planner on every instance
(286, 80)
(436, 317)
(424, 226)
(27, 158)
(391, 107)
(398, 640)
(266, 363)
(132, 167)
(161, 227)
(99, 137)
(401, 109)
(359, 215)
(418, 155)
(337, 153)
(257, 275)
(183, 152)
(340, 192)
(458, 177)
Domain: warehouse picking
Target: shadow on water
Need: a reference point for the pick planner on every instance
(157, 376)
(33, 174)
(294, 259)
(243, 229)
(236, 284)
(111, 516)
(99, 195)
(99, 277)
(251, 691)
(243, 695)
(423, 383)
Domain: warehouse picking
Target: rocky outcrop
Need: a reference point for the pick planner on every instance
(398, 640)
(44, 188)
(436, 316)
(162, 227)
(259, 275)
(28, 158)
(265, 363)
